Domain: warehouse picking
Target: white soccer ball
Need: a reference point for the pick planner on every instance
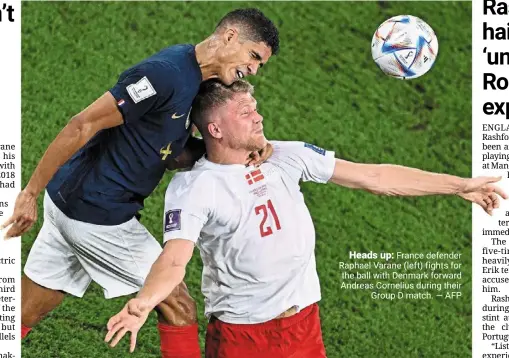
(404, 47)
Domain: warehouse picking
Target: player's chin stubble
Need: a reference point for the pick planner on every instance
(256, 144)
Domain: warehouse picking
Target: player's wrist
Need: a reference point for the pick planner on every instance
(145, 303)
(31, 191)
(461, 185)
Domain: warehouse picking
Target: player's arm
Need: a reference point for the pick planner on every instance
(125, 102)
(166, 273)
(321, 166)
(185, 215)
(194, 150)
(101, 114)
(395, 180)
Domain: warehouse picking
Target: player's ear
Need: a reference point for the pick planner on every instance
(214, 130)
(230, 35)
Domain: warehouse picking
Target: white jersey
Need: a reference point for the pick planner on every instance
(253, 229)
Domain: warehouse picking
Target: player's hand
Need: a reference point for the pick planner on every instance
(24, 215)
(483, 192)
(257, 158)
(130, 319)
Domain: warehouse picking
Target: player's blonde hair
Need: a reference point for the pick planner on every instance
(212, 94)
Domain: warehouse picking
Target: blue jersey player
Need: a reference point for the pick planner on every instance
(109, 158)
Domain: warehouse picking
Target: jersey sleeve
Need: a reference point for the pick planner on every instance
(142, 89)
(185, 212)
(313, 163)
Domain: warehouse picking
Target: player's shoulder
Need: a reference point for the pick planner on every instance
(286, 146)
(194, 182)
(185, 181)
(173, 65)
(289, 149)
(177, 57)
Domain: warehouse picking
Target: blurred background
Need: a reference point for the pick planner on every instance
(322, 88)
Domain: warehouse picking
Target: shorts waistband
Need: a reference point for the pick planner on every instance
(273, 323)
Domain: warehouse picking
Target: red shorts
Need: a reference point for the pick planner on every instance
(298, 336)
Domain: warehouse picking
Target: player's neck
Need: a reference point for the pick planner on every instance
(205, 55)
(226, 156)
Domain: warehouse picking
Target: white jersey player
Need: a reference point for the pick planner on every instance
(255, 233)
(253, 229)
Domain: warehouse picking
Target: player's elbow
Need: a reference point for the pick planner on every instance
(75, 127)
(176, 262)
(367, 177)
(376, 183)
(394, 180)
(373, 186)
(79, 129)
(177, 253)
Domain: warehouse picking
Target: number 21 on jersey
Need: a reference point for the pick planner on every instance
(263, 210)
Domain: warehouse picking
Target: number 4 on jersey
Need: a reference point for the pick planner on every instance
(262, 209)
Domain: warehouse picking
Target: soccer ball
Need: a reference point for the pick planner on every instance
(404, 47)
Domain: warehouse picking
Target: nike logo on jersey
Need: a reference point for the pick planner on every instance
(175, 116)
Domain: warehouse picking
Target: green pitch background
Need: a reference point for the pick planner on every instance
(322, 88)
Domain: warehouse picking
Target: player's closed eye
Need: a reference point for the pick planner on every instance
(249, 111)
(257, 57)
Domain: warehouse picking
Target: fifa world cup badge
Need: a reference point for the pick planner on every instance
(172, 220)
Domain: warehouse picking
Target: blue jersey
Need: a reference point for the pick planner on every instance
(106, 182)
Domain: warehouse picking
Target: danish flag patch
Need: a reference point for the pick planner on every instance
(254, 176)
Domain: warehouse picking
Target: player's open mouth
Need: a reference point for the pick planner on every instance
(240, 74)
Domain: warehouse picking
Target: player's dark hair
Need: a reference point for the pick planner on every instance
(254, 26)
(212, 94)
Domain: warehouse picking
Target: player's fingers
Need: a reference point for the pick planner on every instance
(500, 192)
(112, 321)
(118, 337)
(133, 341)
(252, 162)
(481, 203)
(24, 227)
(111, 332)
(495, 200)
(9, 221)
(267, 151)
(492, 179)
(115, 327)
(14, 230)
(488, 208)
(109, 335)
